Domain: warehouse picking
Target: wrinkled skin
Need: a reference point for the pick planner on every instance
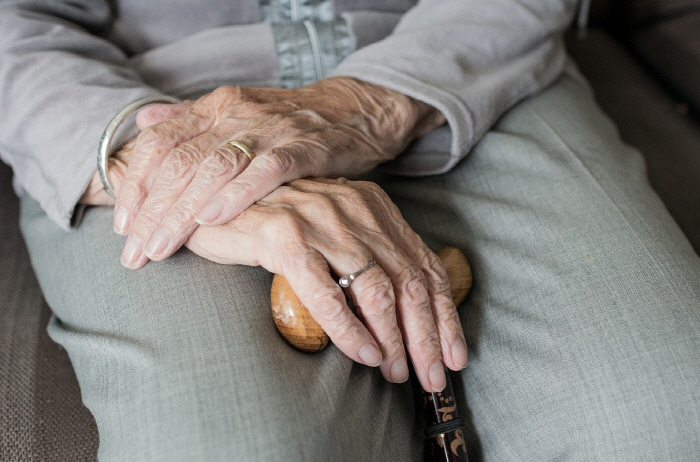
(305, 229)
(184, 173)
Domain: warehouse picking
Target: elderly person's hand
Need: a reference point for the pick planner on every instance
(119, 162)
(184, 171)
(308, 228)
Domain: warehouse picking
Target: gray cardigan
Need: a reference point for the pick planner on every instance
(67, 66)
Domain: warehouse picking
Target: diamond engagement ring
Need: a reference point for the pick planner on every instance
(346, 280)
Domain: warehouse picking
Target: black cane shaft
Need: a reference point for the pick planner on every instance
(444, 433)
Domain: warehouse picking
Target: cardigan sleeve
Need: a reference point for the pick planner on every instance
(60, 84)
(470, 59)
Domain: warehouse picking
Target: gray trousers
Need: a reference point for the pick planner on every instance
(583, 325)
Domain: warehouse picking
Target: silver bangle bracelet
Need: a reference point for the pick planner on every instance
(114, 124)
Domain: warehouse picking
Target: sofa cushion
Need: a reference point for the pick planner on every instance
(41, 415)
(672, 49)
(648, 118)
(640, 12)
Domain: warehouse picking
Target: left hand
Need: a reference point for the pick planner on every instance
(119, 161)
(306, 229)
(184, 173)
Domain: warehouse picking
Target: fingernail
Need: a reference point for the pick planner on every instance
(121, 217)
(459, 353)
(370, 355)
(210, 212)
(436, 374)
(132, 251)
(158, 241)
(399, 371)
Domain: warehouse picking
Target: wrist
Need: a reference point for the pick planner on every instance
(427, 119)
(394, 117)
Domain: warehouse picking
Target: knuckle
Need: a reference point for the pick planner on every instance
(442, 285)
(279, 162)
(223, 89)
(306, 118)
(395, 345)
(382, 295)
(179, 162)
(286, 226)
(286, 219)
(220, 161)
(146, 219)
(150, 137)
(132, 190)
(414, 283)
(329, 302)
(286, 123)
(446, 314)
(320, 203)
(241, 188)
(437, 271)
(430, 341)
(287, 194)
(226, 92)
(348, 333)
(351, 197)
(181, 214)
(248, 106)
(449, 319)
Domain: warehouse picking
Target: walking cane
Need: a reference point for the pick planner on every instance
(444, 435)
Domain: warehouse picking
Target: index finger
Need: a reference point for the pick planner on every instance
(265, 173)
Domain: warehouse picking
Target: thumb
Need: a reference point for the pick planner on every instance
(156, 113)
(95, 193)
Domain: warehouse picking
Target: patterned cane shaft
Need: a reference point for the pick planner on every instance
(444, 435)
(444, 440)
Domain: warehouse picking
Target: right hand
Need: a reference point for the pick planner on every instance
(308, 228)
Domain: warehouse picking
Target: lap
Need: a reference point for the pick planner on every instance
(181, 360)
(584, 321)
(582, 325)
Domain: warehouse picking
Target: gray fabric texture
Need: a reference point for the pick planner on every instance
(41, 415)
(370, 27)
(67, 66)
(242, 55)
(648, 117)
(470, 59)
(583, 324)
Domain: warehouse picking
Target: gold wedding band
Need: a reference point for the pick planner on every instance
(243, 148)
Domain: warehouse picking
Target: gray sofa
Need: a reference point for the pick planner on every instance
(643, 60)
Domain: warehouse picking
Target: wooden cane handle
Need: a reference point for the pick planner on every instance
(293, 319)
(301, 330)
(459, 273)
